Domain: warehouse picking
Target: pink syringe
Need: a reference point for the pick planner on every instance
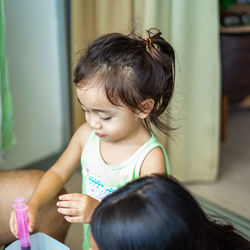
(22, 223)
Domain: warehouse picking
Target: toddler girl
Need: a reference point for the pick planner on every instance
(124, 84)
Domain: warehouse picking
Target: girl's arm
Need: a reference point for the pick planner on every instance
(55, 178)
(154, 163)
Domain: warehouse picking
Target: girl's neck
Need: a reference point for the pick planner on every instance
(119, 151)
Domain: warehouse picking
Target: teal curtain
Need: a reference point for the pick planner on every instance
(6, 110)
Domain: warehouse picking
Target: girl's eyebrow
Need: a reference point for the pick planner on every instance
(96, 110)
(102, 111)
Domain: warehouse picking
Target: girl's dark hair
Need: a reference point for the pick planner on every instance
(131, 69)
(156, 212)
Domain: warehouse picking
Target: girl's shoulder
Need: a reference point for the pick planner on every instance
(83, 133)
(154, 163)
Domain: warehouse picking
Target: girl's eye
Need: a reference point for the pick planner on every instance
(105, 118)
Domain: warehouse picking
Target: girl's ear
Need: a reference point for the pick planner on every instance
(146, 107)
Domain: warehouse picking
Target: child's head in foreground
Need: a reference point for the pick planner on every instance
(156, 212)
(129, 71)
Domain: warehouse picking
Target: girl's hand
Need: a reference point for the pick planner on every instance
(31, 214)
(77, 208)
(13, 224)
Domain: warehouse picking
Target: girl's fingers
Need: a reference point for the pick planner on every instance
(31, 218)
(68, 211)
(73, 219)
(77, 208)
(69, 204)
(30, 224)
(68, 197)
(10, 224)
(13, 224)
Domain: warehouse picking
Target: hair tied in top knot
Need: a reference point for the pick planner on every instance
(148, 41)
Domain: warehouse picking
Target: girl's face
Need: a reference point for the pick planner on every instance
(110, 122)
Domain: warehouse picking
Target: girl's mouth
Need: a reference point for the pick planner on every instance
(99, 135)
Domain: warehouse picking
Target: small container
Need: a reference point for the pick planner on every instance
(40, 241)
(22, 223)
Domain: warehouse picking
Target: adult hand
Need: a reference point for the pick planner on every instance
(77, 208)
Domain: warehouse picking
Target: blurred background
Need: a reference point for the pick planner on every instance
(210, 149)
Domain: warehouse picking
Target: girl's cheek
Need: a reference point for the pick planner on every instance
(87, 117)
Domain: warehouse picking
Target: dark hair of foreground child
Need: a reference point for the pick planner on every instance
(157, 212)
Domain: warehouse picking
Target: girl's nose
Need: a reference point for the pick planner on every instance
(95, 125)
